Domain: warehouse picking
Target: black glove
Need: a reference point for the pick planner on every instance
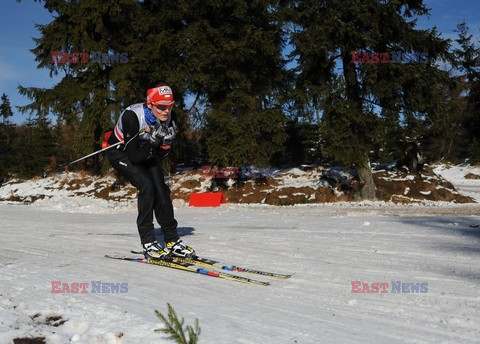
(156, 138)
(150, 151)
(163, 136)
(172, 132)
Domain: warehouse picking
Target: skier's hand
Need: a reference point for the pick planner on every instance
(172, 133)
(156, 138)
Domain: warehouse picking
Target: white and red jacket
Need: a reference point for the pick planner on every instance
(133, 128)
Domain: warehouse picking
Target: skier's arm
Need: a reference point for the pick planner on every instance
(137, 150)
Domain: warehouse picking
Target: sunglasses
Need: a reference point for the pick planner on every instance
(163, 107)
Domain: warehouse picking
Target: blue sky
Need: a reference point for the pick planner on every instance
(17, 63)
(17, 28)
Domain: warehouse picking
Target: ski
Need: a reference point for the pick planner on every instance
(191, 267)
(216, 264)
(207, 262)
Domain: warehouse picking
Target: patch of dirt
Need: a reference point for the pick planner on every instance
(290, 196)
(247, 193)
(190, 184)
(36, 340)
(472, 176)
(15, 198)
(55, 320)
(404, 188)
(36, 197)
(50, 320)
(76, 184)
(24, 199)
(102, 192)
(327, 195)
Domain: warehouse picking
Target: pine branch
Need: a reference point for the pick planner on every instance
(174, 327)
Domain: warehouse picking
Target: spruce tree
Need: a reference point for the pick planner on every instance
(25, 150)
(5, 109)
(359, 99)
(228, 55)
(467, 63)
(35, 145)
(302, 144)
(7, 137)
(91, 92)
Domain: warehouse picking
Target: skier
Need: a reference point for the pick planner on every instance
(148, 131)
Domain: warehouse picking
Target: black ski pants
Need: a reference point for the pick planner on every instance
(153, 195)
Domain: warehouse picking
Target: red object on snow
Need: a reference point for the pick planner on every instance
(207, 199)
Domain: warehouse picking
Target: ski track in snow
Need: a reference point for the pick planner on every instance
(326, 248)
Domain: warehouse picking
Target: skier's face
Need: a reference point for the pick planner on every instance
(161, 111)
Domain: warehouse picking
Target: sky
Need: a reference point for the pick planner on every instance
(17, 63)
(17, 28)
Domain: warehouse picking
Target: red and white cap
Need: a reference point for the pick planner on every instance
(160, 95)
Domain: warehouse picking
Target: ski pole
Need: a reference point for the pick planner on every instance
(101, 150)
(94, 153)
(86, 156)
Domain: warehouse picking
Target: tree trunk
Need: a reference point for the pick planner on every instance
(367, 184)
(365, 176)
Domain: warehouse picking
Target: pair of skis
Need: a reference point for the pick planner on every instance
(208, 267)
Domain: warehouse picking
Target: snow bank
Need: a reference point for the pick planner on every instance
(318, 187)
(456, 175)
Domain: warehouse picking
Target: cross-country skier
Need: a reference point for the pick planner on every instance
(148, 132)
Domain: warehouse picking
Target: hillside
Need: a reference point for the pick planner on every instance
(306, 185)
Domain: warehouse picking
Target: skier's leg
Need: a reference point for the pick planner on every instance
(140, 179)
(163, 206)
(164, 213)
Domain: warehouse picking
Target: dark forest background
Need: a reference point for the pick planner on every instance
(263, 83)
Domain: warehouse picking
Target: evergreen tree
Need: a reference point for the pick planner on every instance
(45, 141)
(7, 137)
(226, 55)
(231, 59)
(25, 150)
(5, 109)
(467, 62)
(358, 99)
(35, 146)
(302, 144)
(91, 92)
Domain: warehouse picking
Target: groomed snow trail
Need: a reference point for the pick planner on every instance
(327, 250)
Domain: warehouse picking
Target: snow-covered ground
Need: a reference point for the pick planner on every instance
(319, 186)
(456, 175)
(326, 247)
(332, 248)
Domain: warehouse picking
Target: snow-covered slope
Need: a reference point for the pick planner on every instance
(465, 178)
(71, 192)
(328, 248)
(315, 185)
